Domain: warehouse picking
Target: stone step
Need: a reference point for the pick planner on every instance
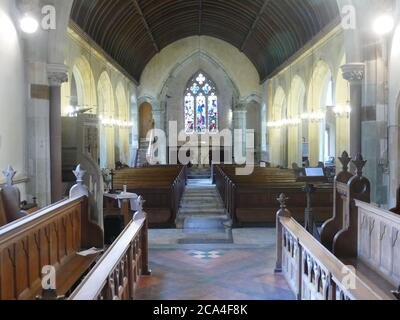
(194, 205)
(202, 211)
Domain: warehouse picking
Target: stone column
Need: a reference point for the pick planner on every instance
(57, 74)
(354, 74)
(240, 123)
(159, 123)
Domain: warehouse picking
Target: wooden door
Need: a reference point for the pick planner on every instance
(146, 119)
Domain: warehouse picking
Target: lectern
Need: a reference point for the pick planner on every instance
(311, 176)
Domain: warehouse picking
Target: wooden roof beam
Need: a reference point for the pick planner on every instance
(254, 25)
(200, 15)
(146, 25)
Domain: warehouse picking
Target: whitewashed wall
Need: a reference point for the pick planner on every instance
(13, 89)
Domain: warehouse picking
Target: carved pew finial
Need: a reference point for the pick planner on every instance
(79, 174)
(9, 174)
(79, 189)
(140, 213)
(359, 163)
(283, 212)
(345, 160)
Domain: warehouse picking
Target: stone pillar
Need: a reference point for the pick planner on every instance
(159, 123)
(240, 123)
(354, 74)
(57, 75)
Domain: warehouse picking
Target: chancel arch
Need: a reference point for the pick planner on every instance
(175, 90)
(106, 111)
(320, 94)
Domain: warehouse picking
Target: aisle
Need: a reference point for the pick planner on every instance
(206, 260)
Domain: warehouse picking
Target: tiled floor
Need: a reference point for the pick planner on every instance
(209, 273)
(206, 260)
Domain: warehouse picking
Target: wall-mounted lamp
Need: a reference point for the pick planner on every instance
(284, 123)
(28, 24)
(383, 24)
(109, 122)
(313, 116)
(343, 110)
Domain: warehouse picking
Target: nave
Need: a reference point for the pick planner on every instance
(207, 260)
(200, 149)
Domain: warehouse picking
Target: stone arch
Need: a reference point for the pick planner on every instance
(83, 69)
(296, 106)
(318, 90)
(235, 64)
(123, 131)
(192, 59)
(342, 97)
(277, 140)
(172, 95)
(106, 112)
(153, 102)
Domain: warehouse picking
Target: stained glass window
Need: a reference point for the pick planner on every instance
(201, 105)
(189, 113)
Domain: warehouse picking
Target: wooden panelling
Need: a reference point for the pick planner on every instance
(379, 241)
(49, 237)
(314, 273)
(117, 274)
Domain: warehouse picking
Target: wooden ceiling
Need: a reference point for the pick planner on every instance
(267, 31)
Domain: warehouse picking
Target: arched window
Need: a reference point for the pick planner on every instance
(201, 105)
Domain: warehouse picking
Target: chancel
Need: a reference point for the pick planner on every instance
(199, 150)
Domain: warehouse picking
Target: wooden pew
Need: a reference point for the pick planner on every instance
(161, 186)
(3, 217)
(312, 271)
(358, 188)
(347, 187)
(250, 200)
(118, 272)
(53, 237)
(10, 198)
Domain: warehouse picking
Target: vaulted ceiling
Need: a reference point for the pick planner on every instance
(267, 31)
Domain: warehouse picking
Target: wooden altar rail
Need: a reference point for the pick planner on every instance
(379, 241)
(313, 272)
(50, 237)
(116, 275)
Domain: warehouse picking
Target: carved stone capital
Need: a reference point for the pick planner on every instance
(353, 72)
(57, 74)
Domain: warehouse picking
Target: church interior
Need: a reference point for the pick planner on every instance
(200, 150)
